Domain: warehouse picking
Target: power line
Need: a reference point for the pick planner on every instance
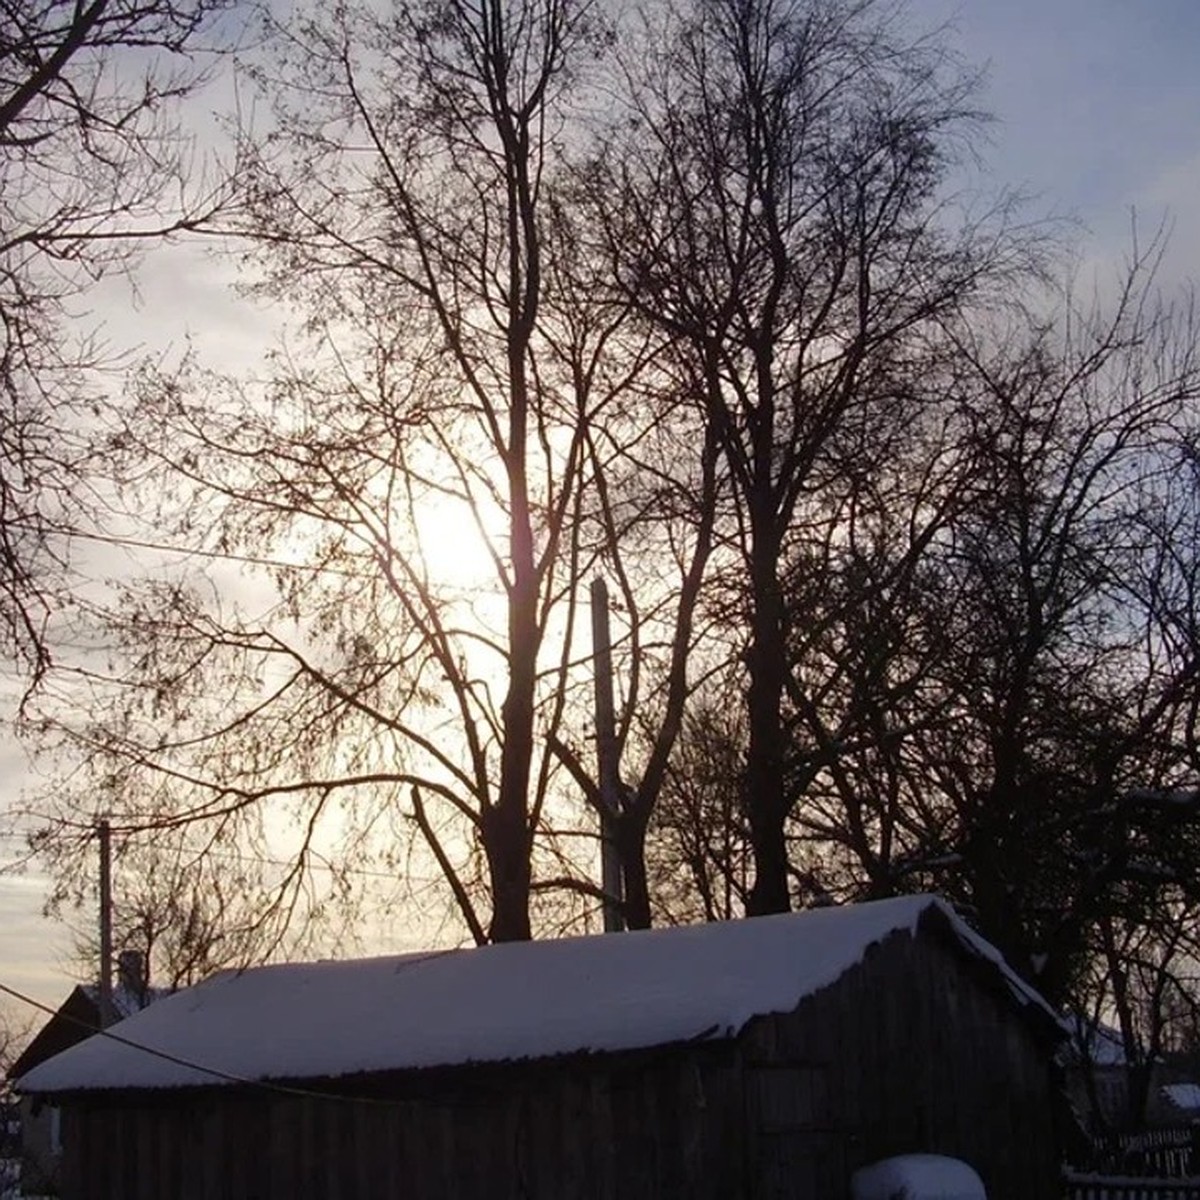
(239, 857)
(177, 1060)
(113, 539)
(319, 864)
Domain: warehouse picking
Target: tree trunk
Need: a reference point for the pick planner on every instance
(631, 842)
(506, 841)
(507, 836)
(764, 795)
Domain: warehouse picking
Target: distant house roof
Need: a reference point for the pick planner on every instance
(495, 1003)
(78, 1018)
(1185, 1096)
(125, 1001)
(1097, 1043)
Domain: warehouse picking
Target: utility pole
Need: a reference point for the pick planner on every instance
(606, 756)
(106, 992)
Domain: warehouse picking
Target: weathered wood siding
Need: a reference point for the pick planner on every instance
(39, 1149)
(633, 1128)
(917, 1049)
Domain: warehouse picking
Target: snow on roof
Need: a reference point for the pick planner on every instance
(1095, 1042)
(1183, 1095)
(492, 1004)
(125, 1001)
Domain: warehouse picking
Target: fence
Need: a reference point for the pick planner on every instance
(1159, 1154)
(1128, 1187)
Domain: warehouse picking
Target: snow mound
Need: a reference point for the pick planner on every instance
(917, 1177)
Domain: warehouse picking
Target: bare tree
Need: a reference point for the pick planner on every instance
(438, 402)
(1071, 658)
(13, 1033)
(1140, 988)
(655, 505)
(190, 902)
(699, 849)
(90, 167)
(785, 227)
(941, 546)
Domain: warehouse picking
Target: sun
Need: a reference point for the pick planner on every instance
(458, 540)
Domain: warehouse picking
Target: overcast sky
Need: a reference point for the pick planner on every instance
(1097, 106)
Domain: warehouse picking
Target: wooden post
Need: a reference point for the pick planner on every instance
(606, 758)
(106, 998)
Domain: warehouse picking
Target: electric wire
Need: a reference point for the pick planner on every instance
(132, 543)
(257, 859)
(177, 1060)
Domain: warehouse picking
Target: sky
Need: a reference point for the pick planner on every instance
(1097, 106)
(1097, 117)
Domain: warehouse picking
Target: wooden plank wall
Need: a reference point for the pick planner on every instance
(598, 1130)
(938, 1063)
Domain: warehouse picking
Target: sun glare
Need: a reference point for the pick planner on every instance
(456, 542)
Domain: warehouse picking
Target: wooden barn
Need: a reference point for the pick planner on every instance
(754, 1060)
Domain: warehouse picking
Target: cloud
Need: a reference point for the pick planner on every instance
(1171, 197)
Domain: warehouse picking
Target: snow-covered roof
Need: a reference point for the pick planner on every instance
(1183, 1095)
(1097, 1043)
(492, 1004)
(77, 1018)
